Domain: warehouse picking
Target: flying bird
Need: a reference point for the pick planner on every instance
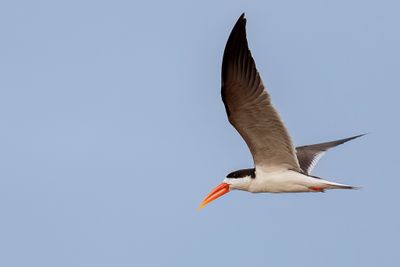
(279, 167)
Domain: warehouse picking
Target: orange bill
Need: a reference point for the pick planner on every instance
(218, 191)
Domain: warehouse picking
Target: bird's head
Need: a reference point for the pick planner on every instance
(239, 180)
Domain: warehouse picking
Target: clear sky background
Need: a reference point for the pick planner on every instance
(113, 131)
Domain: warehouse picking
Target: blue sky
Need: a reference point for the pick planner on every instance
(113, 131)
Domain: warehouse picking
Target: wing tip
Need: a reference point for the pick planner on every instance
(345, 140)
(236, 38)
(359, 135)
(240, 24)
(241, 20)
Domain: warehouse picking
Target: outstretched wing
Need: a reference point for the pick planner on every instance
(249, 107)
(308, 156)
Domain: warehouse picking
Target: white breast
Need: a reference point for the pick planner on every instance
(282, 181)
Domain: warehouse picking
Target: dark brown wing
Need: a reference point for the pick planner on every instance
(249, 108)
(308, 156)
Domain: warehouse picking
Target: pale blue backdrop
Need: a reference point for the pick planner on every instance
(113, 130)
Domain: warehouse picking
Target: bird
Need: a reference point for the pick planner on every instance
(279, 167)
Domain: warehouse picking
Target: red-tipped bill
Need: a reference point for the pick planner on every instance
(218, 191)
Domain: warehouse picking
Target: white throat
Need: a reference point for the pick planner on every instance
(239, 183)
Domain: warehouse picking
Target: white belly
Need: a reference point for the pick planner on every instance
(283, 181)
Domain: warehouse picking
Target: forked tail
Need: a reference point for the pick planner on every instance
(332, 185)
